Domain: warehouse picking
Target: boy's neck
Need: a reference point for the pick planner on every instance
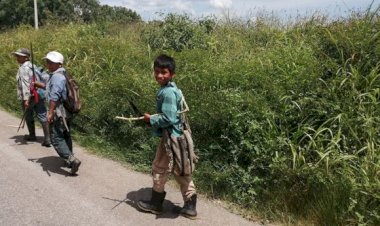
(166, 84)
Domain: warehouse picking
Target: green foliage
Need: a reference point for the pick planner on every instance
(178, 32)
(286, 119)
(117, 14)
(58, 12)
(11, 13)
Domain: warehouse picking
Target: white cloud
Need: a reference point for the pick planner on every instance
(153, 6)
(182, 5)
(221, 4)
(149, 8)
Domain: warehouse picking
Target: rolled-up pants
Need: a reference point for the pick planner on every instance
(160, 173)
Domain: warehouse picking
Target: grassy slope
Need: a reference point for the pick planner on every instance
(290, 114)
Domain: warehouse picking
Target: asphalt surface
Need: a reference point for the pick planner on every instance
(35, 189)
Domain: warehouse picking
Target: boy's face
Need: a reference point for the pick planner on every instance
(163, 75)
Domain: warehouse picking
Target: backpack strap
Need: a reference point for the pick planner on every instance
(184, 108)
(183, 105)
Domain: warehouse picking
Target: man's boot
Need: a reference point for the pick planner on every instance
(32, 131)
(189, 208)
(155, 204)
(74, 164)
(45, 128)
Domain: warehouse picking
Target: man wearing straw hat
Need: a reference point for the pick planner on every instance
(29, 102)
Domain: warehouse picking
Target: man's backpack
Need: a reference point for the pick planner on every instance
(72, 103)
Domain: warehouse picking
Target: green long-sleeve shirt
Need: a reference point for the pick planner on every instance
(169, 104)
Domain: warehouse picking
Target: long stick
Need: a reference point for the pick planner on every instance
(22, 123)
(130, 119)
(133, 118)
(33, 89)
(142, 117)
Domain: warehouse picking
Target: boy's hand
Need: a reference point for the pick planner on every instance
(147, 118)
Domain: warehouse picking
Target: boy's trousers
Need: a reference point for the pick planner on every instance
(160, 172)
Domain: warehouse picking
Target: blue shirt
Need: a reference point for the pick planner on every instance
(56, 90)
(168, 106)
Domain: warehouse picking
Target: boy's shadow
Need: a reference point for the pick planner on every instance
(20, 140)
(52, 164)
(170, 210)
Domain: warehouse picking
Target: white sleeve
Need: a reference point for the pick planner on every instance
(25, 75)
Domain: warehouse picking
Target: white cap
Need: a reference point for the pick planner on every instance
(54, 57)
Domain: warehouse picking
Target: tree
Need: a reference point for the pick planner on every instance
(87, 10)
(12, 14)
(119, 14)
(58, 11)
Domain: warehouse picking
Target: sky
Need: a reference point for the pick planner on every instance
(243, 9)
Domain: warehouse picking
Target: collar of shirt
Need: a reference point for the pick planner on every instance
(26, 64)
(170, 84)
(59, 70)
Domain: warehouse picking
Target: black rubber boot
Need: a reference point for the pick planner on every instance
(45, 128)
(30, 137)
(31, 130)
(74, 164)
(189, 208)
(154, 205)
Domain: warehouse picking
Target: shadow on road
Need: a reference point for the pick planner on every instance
(170, 209)
(52, 164)
(19, 139)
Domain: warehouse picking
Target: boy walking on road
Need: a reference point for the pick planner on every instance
(29, 105)
(167, 123)
(58, 117)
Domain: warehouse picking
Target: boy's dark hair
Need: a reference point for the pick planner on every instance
(165, 61)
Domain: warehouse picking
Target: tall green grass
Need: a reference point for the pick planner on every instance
(286, 118)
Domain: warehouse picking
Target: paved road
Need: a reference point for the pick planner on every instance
(36, 190)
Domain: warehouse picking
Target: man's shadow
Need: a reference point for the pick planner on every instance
(20, 140)
(170, 210)
(52, 164)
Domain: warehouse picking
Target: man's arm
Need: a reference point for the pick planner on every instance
(52, 107)
(55, 95)
(25, 79)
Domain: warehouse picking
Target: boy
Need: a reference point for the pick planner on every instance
(24, 83)
(58, 117)
(167, 123)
